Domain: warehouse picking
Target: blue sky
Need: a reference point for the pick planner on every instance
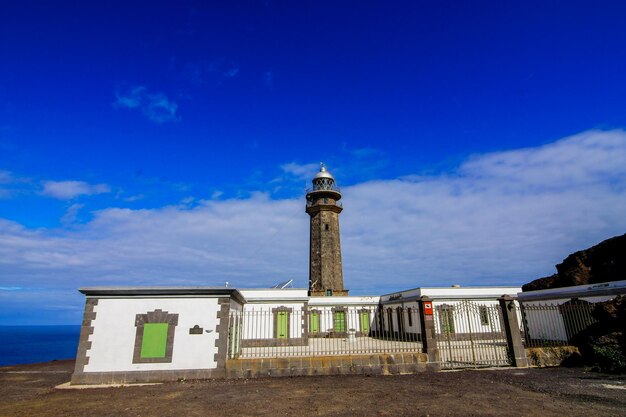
(168, 142)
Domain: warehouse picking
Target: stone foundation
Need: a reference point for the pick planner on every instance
(404, 363)
(128, 377)
(407, 363)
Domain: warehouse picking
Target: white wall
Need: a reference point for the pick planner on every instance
(451, 292)
(545, 325)
(258, 319)
(412, 327)
(477, 293)
(351, 304)
(113, 339)
(548, 324)
(467, 318)
(350, 300)
(270, 294)
(352, 316)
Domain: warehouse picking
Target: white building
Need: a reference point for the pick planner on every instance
(457, 310)
(166, 333)
(161, 333)
(592, 293)
(154, 333)
(558, 314)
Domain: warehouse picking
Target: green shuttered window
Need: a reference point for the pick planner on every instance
(154, 340)
(282, 325)
(365, 322)
(340, 321)
(315, 322)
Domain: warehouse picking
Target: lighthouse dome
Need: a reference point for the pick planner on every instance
(323, 174)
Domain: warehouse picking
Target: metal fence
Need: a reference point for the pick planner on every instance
(470, 334)
(546, 324)
(324, 331)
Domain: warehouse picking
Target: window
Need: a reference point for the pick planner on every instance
(154, 338)
(329, 292)
(409, 312)
(282, 322)
(446, 319)
(326, 227)
(364, 318)
(484, 315)
(314, 322)
(282, 325)
(339, 321)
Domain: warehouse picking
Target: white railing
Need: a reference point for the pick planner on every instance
(309, 203)
(547, 324)
(327, 331)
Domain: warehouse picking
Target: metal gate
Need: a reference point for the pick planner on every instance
(470, 335)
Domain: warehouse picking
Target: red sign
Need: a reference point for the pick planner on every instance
(428, 309)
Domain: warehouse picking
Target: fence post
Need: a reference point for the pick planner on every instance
(517, 353)
(427, 325)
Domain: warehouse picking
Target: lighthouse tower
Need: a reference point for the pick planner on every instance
(322, 204)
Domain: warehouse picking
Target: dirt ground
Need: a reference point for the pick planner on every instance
(28, 390)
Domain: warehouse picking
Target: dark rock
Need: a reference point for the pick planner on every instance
(612, 310)
(602, 345)
(574, 360)
(603, 262)
(541, 283)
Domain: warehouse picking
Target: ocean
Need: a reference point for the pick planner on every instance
(30, 344)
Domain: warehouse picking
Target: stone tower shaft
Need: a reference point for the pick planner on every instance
(325, 266)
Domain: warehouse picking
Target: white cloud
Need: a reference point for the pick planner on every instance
(134, 198)
(65, 190)
(300, 171)
(12, 185)
(155, 106)
(500, 218)
(71, 214)
(6, 177)
(592, 156)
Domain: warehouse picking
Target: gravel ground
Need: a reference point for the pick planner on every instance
(28, 390)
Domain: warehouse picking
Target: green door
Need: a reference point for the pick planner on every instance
(315, 323)
(365, 322)
(282, 330)
(340, 321)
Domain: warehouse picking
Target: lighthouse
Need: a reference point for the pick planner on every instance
(323, 207)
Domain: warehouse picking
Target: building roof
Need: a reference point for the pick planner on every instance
(451, 293)
(588, 290)
(161, 292)
(275, 294)
(344, 300)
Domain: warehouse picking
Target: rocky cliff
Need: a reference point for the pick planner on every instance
(603, 262)
(602, 345)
